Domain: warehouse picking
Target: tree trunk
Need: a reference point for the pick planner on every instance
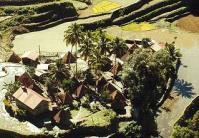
(70, 56)
(76, 60)
(95, 81)
(170, 85)
(114, 69)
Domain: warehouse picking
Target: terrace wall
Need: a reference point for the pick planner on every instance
(21, 2)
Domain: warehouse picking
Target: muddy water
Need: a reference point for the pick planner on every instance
(49, 40)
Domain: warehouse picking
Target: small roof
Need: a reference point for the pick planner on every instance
(65, 98)
(117, 94)
(157, 46)
(30, 55)
(116, 68)
(42, 67)
(81, 90)
(101, 82)
(132, 48)
(14, 58)
(113, 87)
(39, 73)
(29, 97)
(61, 116)
(25, 79)
(68, 58)
(118, 100)
(125, 56)
(107, 75)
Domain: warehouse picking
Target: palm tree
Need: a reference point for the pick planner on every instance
(173, 52)
(103, 43)
(171, 69)
(87, 45)
(61, 71)
(97, 60)
(73, 36)
(119, 48)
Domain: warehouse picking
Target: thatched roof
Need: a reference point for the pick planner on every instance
(68, 58)
(62, 116)
(25, 79)
(100, 83)
(13, 57)
(116, 68)
(65, 98)
(81, 91)
(30, 55)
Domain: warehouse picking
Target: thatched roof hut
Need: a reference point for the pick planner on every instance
(68, 58)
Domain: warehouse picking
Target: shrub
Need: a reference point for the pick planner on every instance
(133, 130)
(11, 88)
(184, 132)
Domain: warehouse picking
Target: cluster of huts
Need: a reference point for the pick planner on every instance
(34, 98)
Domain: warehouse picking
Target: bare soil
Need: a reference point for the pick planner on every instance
(189, 23)
(170, 102)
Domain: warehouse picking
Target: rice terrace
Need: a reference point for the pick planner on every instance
(99, 68)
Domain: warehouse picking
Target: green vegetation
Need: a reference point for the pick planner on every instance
(73, 37)
(144, 26)
(189, 130)
(133, 130)
(149, 77)
(102, 118)
(11, 88)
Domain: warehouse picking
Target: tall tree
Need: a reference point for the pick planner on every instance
(73, 36)
(97, 60)
(119, 48)
(104, 43)
(169, 60)
(87, 45)
(144, 80)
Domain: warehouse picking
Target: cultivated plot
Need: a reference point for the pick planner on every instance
(105, 6)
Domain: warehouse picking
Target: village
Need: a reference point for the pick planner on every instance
(99, 68)
(51, 87)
